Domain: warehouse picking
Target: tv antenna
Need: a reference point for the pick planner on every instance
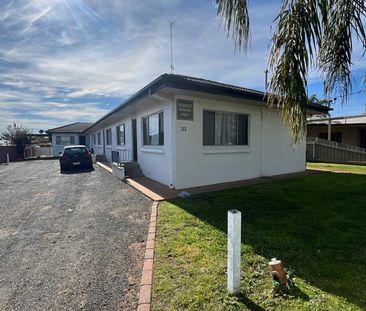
(171, 47)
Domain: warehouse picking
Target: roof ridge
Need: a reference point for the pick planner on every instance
(74, 127)
(56, 128)
(217, 82)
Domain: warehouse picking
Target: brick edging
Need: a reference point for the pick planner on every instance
(147, 269)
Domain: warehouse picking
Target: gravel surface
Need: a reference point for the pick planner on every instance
(71, 241)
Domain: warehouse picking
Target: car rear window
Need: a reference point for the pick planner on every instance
(75, 150)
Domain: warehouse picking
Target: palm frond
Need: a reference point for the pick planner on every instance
(234, 14)
(308, 33)
(293, 48)
(345, 18)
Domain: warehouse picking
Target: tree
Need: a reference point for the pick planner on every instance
(308, 34)
(18, 136)
(313, 99)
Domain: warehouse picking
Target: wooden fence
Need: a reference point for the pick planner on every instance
(322, 150)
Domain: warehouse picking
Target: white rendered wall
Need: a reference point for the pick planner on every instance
(198, 165)
(279, 155)
(59, 148)
(98, 148)
(155, 161)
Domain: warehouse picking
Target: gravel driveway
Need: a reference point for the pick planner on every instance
(71, 241)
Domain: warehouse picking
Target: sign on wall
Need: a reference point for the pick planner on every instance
(184, 109)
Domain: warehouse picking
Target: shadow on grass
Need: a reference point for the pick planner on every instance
(294, 292)
(250, 304)
(315, 224)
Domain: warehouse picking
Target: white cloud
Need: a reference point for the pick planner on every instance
(70, 51)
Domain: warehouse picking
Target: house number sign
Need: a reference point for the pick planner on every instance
(184, 110)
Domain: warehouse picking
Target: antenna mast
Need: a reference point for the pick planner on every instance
(171, 47)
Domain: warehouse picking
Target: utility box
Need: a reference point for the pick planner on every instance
(118, 171)
(278, 272)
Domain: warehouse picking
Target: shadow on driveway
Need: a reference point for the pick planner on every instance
(77, 171)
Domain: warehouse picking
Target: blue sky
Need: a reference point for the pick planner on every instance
(63, 61)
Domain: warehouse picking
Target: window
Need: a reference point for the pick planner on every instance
(99, 138)
(94, 139)
(225, 129)
(65, 140)
(337, 136)
(75, 150)
(153, 129)
(109, 136)
(121, 135)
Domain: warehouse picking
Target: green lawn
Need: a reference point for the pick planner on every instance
(315, 224)
(346, 168)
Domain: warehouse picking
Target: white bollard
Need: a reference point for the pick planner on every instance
(233, 251)
(7, 159)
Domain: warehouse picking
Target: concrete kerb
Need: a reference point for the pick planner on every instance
(147, 270)
(108, 169)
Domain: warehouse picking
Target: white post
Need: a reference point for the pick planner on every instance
(329, 129)
(7, 159)
(233, 255)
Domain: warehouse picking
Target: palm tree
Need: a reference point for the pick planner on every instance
(308, 33)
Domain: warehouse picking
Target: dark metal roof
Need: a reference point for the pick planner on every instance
(78, 127)
(199, 85)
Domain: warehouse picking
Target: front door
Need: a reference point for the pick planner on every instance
(134, 140)
(82, 140)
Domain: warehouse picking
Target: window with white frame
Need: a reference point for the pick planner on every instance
(94, 139)
(153, 129)
(99, 138)
(121, 136)
(65, 140)
(108, 134)
(225, 129)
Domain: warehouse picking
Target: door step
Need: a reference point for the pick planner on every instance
(132, 169)
(101, 158)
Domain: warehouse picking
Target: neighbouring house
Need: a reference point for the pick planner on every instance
(350, 130)
(187, 132)
(40, 139)
(71, 134)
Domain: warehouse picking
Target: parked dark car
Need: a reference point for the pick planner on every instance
(75, 157)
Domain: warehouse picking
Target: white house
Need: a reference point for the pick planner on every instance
(187, 132)
(71, 134)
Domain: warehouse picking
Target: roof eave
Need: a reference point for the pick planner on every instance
(179, 82)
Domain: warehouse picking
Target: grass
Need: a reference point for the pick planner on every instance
(333, 167)
(315, 224)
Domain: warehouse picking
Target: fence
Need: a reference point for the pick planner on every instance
(122, 156)
(37, 151)
(323, 150)
(11, 150)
